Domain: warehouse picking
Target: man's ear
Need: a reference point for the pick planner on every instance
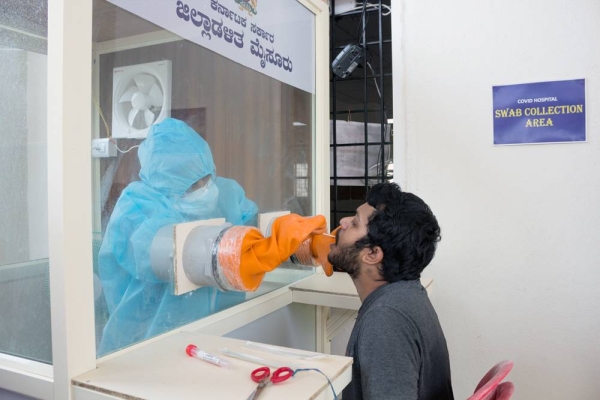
(372, 256)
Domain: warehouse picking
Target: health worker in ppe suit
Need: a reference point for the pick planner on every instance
(178, 184)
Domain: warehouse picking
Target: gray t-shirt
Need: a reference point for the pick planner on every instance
(398, 347)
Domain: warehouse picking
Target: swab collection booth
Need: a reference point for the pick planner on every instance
(151, 124)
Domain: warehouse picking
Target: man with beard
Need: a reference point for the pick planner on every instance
(397, 343)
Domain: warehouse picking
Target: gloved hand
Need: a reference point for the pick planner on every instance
(314, 251)
(245, 255)
(320, 248)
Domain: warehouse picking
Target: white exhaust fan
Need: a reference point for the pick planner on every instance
(141, 97)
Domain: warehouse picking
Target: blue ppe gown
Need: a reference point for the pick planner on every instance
(172, 158)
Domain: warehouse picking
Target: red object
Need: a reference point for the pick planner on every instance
(191, 350)
(504, 391)
(490, 388)
(263, 373)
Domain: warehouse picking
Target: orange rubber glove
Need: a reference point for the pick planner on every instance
(251, 255)
(320, 247)
(314, 251)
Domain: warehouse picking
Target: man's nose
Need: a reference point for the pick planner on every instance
(345, 222)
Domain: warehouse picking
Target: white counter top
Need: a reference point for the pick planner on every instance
(163, 370)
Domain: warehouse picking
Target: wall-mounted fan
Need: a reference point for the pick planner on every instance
(141, 97)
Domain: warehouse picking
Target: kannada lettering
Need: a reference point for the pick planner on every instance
(224, 11)
(209, 26)
(262, 33)
(269, 56)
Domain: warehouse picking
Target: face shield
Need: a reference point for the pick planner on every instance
(200, 199)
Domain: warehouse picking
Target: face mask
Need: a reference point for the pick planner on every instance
(200, 202)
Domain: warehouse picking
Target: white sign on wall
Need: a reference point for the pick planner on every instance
(274, 37)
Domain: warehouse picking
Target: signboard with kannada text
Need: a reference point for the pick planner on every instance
(542, 112)
(274, 37)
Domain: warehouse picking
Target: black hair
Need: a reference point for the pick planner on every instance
(404, 227)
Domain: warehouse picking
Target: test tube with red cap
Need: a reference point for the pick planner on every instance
(195, 352)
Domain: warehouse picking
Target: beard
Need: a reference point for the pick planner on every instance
(345, 259)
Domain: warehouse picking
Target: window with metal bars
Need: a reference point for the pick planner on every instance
(361, 103)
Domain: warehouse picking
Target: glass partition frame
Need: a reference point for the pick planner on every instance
(25, 315)
(246, 118)
(70, 194)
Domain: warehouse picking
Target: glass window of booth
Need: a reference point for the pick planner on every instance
(183, 131)
(24, 275)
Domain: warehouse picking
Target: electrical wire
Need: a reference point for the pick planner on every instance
(101, 115)
(365, 22)
(377, 6)
(369, 5)
(322, 373)
(123, 151)
(108, 130)
(374, 79)
(381, 153)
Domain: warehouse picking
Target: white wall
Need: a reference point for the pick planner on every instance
(291, 326)
(518, 269)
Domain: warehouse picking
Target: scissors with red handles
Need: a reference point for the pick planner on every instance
(263, 377)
